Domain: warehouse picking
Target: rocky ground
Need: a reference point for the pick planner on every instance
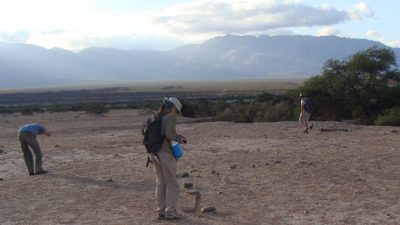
(260, 173)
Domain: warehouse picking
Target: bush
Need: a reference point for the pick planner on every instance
(389, 117)
(96, 108)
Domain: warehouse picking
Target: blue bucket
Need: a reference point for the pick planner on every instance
(177, 150)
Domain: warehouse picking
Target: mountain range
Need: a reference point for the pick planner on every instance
(228, 56)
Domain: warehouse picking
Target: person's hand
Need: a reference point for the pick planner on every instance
(181, 139)
(47, 133)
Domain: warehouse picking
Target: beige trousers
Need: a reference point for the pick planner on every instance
(304, 119)
(167, 189)
(29, 140)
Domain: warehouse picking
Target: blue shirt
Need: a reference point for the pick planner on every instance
(32, 128)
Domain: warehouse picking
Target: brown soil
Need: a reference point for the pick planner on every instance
(260, 173)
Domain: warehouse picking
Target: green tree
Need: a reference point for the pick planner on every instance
(357, 87)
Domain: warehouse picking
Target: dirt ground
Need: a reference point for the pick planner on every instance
(260, 173)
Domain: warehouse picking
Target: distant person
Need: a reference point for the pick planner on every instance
(164, 163)
(305, 112)
(27, 138)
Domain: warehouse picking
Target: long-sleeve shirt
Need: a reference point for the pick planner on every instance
(33, 128)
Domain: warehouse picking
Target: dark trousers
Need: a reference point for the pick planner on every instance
(29, 140)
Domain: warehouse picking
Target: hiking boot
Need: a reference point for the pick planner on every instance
(310, 126)
(173, 215)
(41, 172)
(160, 215)
(31, 173)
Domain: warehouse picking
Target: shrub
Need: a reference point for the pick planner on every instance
(389, 117)
(96, 108)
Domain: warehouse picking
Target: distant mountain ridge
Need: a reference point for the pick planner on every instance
(228, 56)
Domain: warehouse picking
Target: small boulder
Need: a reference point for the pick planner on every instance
(187, 185)
(182, 175)
(394, 131)
(208, 209)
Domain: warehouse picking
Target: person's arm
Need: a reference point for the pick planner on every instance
(43, 130)
(170, 127)
(302, 106)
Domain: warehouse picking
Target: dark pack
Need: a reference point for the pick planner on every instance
(151, 130)
(307, 105)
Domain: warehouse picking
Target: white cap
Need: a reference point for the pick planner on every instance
(176, 102)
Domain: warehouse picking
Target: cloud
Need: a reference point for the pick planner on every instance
(76, 24)
(14, 37)
(373, 34)
(393, 43)
(237, 16)
(360, 11)
(328, 31)
(378, 36)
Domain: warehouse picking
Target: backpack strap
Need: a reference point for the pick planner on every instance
(149, 160)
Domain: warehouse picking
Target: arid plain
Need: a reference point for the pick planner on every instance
(259, 173)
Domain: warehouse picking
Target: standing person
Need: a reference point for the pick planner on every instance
(305, 112)
(27, 137)
(164, 164)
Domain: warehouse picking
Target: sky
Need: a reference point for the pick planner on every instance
(166, 24)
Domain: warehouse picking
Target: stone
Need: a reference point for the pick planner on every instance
(182, 175)
(233, 166)
(1, 179)
(188, 185)
(110, 180)
(394, 131)
(278, 162)
(56, 146)
(2, 151)
(228, 180)
(208, 209)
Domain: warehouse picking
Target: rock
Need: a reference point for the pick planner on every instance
(56, 146)
(215, 172)
(394, 131)
(391, 217)
(254, 166)
(1, 179)
(228, 180)
(278, 162)
(267, 164)
(182, 175)
(208, 209)
(233, 166)
(110, 180)
(188, 185)
(2, 151)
